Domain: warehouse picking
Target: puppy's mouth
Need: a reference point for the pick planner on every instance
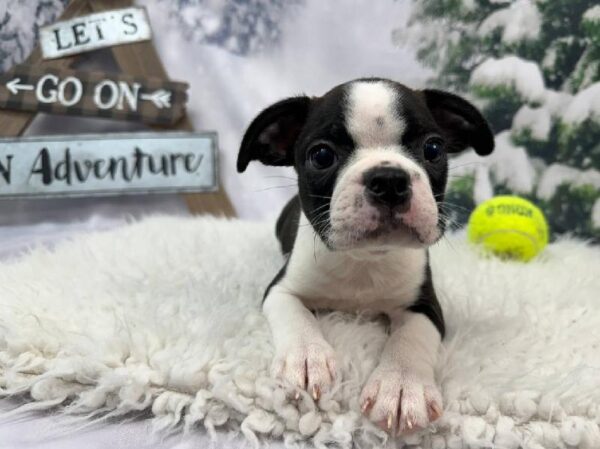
(384, 227)
(391, 224)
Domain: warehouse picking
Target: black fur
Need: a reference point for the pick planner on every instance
(462, 123)
(271, 136)
(287, 225)
(428, 304)
(275, 280)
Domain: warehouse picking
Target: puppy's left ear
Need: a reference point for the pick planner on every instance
(462, 122)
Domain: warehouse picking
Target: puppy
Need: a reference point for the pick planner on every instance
(372, 162)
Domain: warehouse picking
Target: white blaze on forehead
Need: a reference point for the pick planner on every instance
(372, 118)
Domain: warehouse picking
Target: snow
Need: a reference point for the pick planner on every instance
(519, 21)
(482, 187)
(557, 174)
(511, 71)
(537, 120)
(413, 32)
(556, 102)
(205, 22)
(431, 32)
(556, 47)
(585, 105)
(509, 164)
(592, 14)
(18, 27)
(241, 27)
(596, 214)
(550, 58)
(469, 5)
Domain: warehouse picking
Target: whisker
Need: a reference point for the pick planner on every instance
(275, 187)
(282, 177)
(320, 196)
(451, 225)
(322, 210)
(449, 242)
(320, 215)
(451, 176)
(452, 206)
(320, 218)
(319, 221)
(322, 206)
(466, 164)
(449, 203)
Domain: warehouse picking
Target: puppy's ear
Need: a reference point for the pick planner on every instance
(271, 136)
(461, 121)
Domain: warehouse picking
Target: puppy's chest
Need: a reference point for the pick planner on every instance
(379, 284)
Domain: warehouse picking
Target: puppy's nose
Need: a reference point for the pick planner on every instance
(388, 186)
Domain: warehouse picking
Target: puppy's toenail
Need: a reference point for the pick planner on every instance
(366, 405)
(316, 392)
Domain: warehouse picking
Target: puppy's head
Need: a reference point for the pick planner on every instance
(371, 157)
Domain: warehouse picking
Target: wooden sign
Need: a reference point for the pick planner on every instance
(98, 94)
(108, 164)
(139, 60)
(86, 33)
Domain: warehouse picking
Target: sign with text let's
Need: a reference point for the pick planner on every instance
(97, 94)
(69, 37)
(108, 164)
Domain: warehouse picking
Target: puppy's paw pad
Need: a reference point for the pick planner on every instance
(398, 402)
(311, 366)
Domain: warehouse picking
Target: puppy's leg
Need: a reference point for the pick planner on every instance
(302, 356)
(401, 394)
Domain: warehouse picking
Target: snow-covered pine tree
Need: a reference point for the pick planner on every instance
(19, 27)
(534, 68)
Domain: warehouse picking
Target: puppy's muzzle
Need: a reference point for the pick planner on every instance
(388, 187)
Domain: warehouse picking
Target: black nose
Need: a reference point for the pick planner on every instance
(388, 186)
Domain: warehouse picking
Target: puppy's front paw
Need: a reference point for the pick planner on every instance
(310, 366)
(399, 401)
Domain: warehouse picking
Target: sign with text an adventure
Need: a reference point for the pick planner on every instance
(86, 33)
(96, 94)
(108, 164)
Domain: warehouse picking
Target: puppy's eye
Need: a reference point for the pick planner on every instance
(433, 149)
(322, 157)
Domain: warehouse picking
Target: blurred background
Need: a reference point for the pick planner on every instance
(533, 66)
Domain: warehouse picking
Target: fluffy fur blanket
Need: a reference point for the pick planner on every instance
(164, 315)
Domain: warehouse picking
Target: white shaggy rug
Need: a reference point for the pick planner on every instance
(163, 316)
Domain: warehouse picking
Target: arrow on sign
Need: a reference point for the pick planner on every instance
(161, 98)
(14, 86)
(120, 96)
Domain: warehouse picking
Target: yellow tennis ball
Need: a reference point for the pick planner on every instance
(510, 227)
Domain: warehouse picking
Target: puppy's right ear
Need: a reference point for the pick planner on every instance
(271, 136)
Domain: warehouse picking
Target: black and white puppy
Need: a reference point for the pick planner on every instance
(372, 163)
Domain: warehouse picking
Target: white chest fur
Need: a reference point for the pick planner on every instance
(375, 281)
